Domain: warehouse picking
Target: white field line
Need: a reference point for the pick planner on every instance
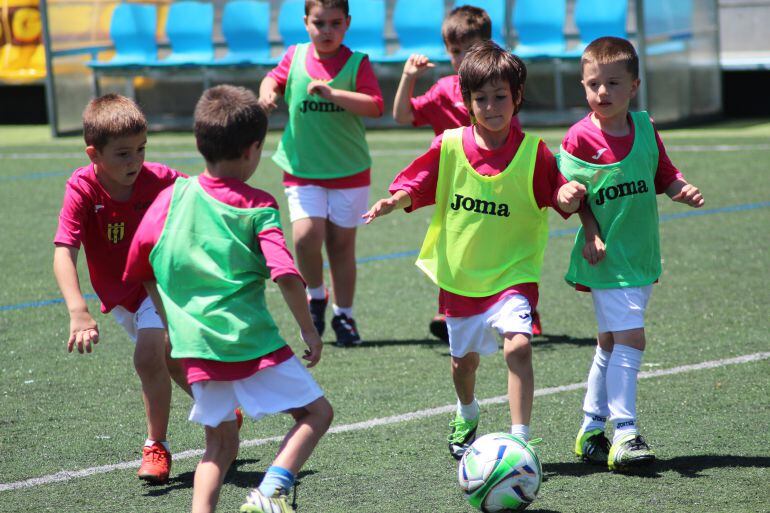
(68, 475)
(374, 153)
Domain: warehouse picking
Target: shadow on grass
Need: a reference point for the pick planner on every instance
(686, 466)
(548, 342)
(405, 342)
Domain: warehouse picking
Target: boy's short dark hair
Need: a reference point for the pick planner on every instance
(466, 23)
(327, 4)
(110, 116)
(487, 62)
(609, 50)
(228, 120)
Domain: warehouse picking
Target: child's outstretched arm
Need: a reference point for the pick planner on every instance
(683, 192)
(293, 291)
(269, 92)
(414, 66)
(83, 328)
(360, 104)
(570, 195)
(593, 250)
(385, 206)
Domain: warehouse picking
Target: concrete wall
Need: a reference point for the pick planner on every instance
(744, 26)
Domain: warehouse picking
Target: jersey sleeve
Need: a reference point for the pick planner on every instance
(424, 107)
(138, 268)
(420, 178)
(547, 180)
(277, 255)
(73, 216)
(667, 171)
(366, 83)
(281, 72)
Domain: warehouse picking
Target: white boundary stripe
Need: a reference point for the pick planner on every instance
(68, 475)
(375, 153)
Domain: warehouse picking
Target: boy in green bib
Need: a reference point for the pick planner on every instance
(491, 184)
(622, 162)
(204, 251)
(324, 156)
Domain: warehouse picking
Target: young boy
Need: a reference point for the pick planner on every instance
(620, 159)
(324, 156)
(442, 107)
(491, 184)
(103, 204)
(210, 242)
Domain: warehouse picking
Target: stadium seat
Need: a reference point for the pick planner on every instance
(245, 27)
(419, 29)
(668, 25)
(291, 24)
(132, 30)
(496, 11)
(540, 28)
(367, 30)
(189, 28)
(598, 18)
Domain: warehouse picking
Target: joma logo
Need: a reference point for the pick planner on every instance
(480, 206)
(618, 191)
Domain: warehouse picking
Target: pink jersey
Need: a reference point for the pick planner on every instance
(105, 227)
(442, 107)
(420, 178)
(326, 69)
(588, 142)
(271, 242)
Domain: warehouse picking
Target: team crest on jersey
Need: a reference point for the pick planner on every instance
(116, 232)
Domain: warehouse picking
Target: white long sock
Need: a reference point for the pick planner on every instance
(468, 411)
(520, 430)
(340, 310)
(622, 373)
(317, 292)
(595, 402)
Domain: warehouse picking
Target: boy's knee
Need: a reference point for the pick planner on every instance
(464, 365)
(518, 348)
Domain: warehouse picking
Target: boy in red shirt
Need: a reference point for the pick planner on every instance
(442, 106)
(103, 204)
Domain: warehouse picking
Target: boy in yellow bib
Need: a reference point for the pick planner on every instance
(491, 184)
(621, 160)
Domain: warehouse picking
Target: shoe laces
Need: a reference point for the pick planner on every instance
(156, 453)
(460, 429)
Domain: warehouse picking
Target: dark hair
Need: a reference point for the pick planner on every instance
(609, 50)
(487, 62)
(327, 4)
(466, 23)
(228, 120)
(109, 116)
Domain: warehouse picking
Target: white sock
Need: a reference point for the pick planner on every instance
(164, 443)
(595, 402)
(622, 373)
(338, 310)
(468, 411)
(316, 292)
(520, 430)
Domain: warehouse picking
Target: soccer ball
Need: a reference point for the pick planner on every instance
(500, 473)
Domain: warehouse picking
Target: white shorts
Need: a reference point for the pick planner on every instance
(620, 309)
(276, 389)
(482, 333)
(145, 317)
(343, 207)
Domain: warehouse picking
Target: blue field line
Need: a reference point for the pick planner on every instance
(34, 176)
(402, 254)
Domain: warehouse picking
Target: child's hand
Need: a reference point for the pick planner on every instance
(382, 208)
(320, 88)
(268, 102)
(314, 347)
(593, 250)
(689, 195)
(83, 332)
(416, 65)
(570, 195)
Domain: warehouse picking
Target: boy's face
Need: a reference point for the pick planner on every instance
(119, 162)
(457, 51)
(493, 105)
(326, 28)
(609, 88)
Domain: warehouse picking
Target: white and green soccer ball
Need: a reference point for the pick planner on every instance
(500, 473)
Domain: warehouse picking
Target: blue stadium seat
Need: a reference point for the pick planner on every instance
(190, 28)
(598, 18)
(291, 22)
(132, 30)
(419, 29)
(668, 25)
(367, 30)
(496, 11)
(245, 27)
(540, 28)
